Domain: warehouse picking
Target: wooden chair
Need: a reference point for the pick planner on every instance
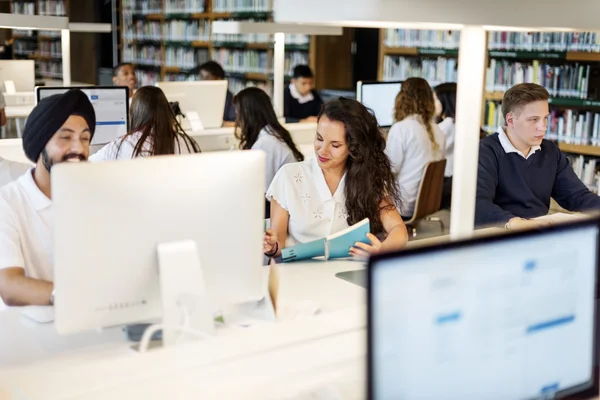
(429, 197)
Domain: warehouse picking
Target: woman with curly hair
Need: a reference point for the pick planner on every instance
(414, 140)
(349, 180)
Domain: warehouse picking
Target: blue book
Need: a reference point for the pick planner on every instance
(334, 246)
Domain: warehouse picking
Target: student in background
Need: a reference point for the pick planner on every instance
(414, 140)
(212, 71)
(445, 112)
(124, 75)
(154, 130)
(349, 180)
(519, 171)
(59, 129)
(259, 129)
(301, 103)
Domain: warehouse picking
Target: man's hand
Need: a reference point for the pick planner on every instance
(521, 224)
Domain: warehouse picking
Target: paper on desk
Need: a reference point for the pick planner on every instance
(195, 122)
(558, 218)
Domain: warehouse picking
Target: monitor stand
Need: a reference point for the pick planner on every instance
(186, 304)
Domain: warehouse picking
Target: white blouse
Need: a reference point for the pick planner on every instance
(300, 188)
(409, 149)
(448, 127)
(278, 153)
(112, 152)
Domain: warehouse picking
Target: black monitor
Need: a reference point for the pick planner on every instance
(507, 317)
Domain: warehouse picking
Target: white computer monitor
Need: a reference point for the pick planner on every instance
(110, 219)
(205, 98)
(20, 72)
(510, 317)
(111, 104)
(379, 97)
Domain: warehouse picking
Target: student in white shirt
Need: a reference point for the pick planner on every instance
(11, 170)
(445, 112)
(257, 128)
(59, 129)
(124, 75)
(154, 130)
(349, 180)
(414, 140)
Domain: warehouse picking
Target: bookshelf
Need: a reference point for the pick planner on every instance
(169, 39)
(566, 63)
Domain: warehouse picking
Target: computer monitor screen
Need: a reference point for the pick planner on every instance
(380, 97)
(111, 105)
(499, 318)
(204, 98)
(111, 218)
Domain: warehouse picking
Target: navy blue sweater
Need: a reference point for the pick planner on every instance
(509, 185)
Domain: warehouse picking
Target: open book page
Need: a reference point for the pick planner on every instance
(559, 217)
(338, 245)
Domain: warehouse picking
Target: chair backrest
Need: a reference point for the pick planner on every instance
(9, 87)
(429, 197)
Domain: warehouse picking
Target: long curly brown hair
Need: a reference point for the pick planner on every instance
(416, 97)
(369, 177)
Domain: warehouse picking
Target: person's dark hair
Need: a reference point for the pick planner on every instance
(446, 94)
(118, 67)
(213, 68)
(302, 71)
(520, 95)
(255, 112)
(152, 115)
(369, 178)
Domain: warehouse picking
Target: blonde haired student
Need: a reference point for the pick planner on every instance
(414, 140)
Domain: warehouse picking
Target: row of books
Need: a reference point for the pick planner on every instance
(144, 30)
(242, 38)
(51, 49)
(50, 69)
(585, 169)
(24, 47)
(241, 5)
(295, 58)
(23, 8)
(145, 55)
(184, 6)
(237, 85)
(51, 7)
(435, 71)
(23, 32)
(570, 80)
(243, 61)
(143, 6)
(147, 78)
(187, 30)
(422, 38)
(544, 41)
(185, 57)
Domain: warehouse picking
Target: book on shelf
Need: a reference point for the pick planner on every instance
(51, 7)
(223, 6)
(184, 6)
(435, 71)
(422, 38)
(242, 61)
(143, 7)
(333, 246)
(586, 169)
(544, 41)
(569, 80)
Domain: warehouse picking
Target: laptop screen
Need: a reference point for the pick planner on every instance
(111, 105)
(499, 318)
(380, 97)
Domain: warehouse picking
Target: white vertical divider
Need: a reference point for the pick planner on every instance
(471, 74)
(279, 73)
(65, 44)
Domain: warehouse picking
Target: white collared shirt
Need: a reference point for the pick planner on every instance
(509, 148)
(112, 151)
(11, 170)
(26, 229)
(409, 149)
(278, 153)
(300, 188)
(302, 99)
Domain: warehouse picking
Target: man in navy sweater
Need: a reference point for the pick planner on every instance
(519, 171)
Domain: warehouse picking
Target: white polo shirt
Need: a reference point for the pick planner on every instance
(508, 147)
(11, 170)
(301, 189)
(449, 128)
(112, 151)
(278, 153)
(26, 228)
